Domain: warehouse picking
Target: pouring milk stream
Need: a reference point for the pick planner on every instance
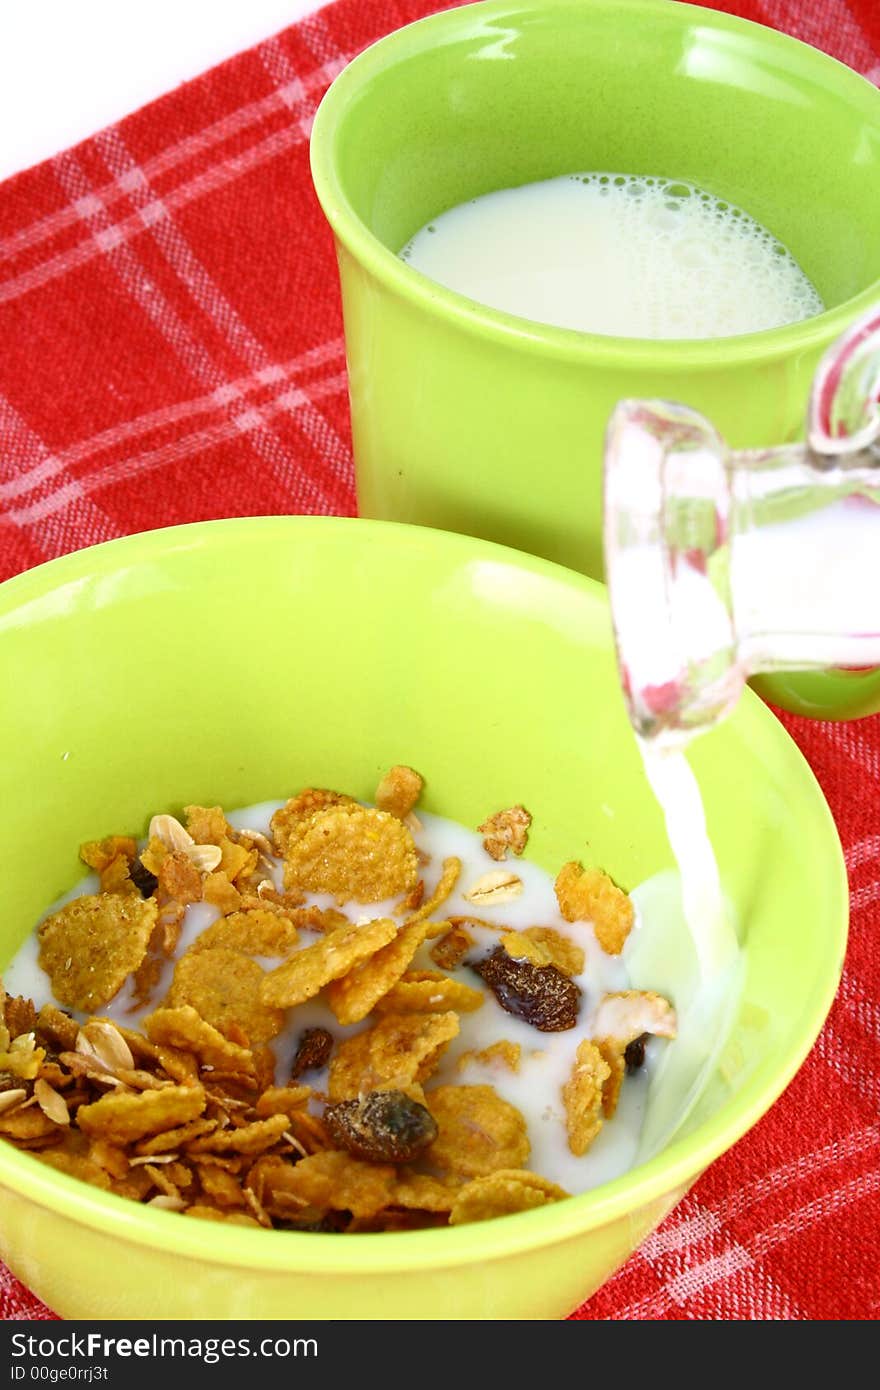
(721, 565)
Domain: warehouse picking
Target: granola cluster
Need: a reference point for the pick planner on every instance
(185, 1111)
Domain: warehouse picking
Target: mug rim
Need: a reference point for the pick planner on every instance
(567, 344)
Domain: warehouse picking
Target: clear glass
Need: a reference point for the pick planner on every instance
(724, 564)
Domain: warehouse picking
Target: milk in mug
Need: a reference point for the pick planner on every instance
(631, 255)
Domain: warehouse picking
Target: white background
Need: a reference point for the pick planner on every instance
(69, 67)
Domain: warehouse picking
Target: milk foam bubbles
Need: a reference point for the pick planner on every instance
(624, 254)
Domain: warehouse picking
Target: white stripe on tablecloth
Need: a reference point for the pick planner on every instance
(219, 174)
(207, 294)
(864, 1009)
(693, 1223)
(235, 122)
(19, 439)
(175, 451)
(862, 852)
(863, 896)
(32, 475)
(284, 75)
(834, 1050)
(192, 353)
(819, 1209)
(680, 1235)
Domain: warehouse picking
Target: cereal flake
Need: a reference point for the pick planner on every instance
(89, 947)
(589, 895)
(506, 830)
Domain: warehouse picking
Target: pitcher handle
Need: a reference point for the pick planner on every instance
(843, 416)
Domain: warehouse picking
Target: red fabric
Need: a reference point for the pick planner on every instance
(173, 351)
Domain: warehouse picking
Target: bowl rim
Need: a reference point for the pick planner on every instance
(665, 1177)
(567, 344)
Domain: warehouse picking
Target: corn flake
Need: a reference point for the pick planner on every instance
(19, 1015)
(27, 1125)
(631, 1012)
(76, 1165)
(451, 949)
(179, 878)
(353, 995)
(309, 1132)
(589, 895)
(207, 824)
(123, 1117)
(89, 947)
(335, 1181)
(582, 1097)
(448, 879)
(501, 1194)
(309, 970)
(427, 991)
(116, 878)
(399, 791)
(564, 953)
(22, 1059)
(258, 931)
(221, 1187)
(420, 1192)
(220, 892)
(321, 919)
(224, 989)
(353, 853)
(478, 1131)
(501, 1053)
(282, 1100)
(184, 1029)
(612, 1053)
(172, 1139)
(412, 902)
(521, 947)
(506, 830)
(398, 1050)
(100, 854)
(253, 1138)
(301, 808)
(57, 1028)
(237, 861)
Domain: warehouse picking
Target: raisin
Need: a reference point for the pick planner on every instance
(381, 1127)
(312, 1051)
(142, 879)
(539, 994)
(634, 1056)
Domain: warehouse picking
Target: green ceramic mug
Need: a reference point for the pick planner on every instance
(473, 420)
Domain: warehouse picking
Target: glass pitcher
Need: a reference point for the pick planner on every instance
(723, 565)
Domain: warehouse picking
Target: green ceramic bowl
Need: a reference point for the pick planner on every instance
(236, 660)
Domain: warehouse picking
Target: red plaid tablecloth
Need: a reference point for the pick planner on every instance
(172, 351)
